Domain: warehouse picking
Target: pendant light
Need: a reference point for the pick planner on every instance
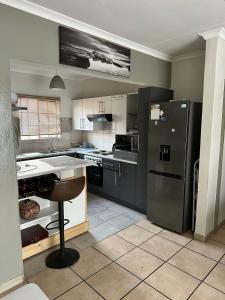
(57, 83)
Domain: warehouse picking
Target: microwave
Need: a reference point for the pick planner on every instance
(126, 142)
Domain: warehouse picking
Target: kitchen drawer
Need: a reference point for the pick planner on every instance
(110, 164)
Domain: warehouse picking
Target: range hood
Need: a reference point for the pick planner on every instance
(100, 118)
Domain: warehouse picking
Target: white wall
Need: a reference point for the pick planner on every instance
(211, 187)
(39, 85)
(187, 78)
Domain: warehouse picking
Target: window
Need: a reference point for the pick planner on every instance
(41, 119)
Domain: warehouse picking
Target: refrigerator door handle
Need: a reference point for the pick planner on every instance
(165, 174)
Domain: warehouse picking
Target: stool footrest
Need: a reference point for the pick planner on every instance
(66, 221)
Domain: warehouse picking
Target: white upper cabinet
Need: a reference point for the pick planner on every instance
(119, 114)
(107, 105)
(102, 105)
(87, 110)
(77, 114)
(122, 107)
(97, 103)
(82, 108)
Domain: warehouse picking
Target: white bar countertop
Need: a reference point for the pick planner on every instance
(37, 167)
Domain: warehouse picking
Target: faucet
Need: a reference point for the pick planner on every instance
(51, 147)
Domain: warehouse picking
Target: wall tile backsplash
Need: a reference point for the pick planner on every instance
(43, 145)
(102, 139)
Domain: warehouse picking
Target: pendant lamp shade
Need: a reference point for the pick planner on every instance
(57, 83)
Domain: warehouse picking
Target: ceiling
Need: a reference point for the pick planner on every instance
(168, 26)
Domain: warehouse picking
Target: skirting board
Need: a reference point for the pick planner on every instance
(11, 283)
(53, 240)
(205, 238)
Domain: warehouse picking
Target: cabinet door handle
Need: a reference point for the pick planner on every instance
(80, 123)
(99, 105)
(120, 170)
(108, 165)
(115, 178)
(103, 108)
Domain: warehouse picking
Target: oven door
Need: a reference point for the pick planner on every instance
(95, 175)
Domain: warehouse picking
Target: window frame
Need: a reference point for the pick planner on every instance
(39, 136)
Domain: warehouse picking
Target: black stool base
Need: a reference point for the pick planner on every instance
(57, 261)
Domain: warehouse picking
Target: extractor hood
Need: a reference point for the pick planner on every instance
(100, 118)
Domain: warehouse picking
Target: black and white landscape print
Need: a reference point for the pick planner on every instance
(82, 50)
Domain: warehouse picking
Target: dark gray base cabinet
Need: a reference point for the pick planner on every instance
(119, 182)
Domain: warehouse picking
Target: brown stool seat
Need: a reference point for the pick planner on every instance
(65, 190)
(60, 191)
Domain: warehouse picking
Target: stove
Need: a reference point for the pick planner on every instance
(96, 159)
(94, 173)
(101, 152)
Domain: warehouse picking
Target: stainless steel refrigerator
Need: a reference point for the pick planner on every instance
(174, 142)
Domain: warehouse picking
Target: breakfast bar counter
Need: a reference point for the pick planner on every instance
(64, 167)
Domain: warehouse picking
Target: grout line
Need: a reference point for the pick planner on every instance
(213, 287)
(68, 290)
(115, 261)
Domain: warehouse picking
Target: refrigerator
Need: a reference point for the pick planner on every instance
(174, 144)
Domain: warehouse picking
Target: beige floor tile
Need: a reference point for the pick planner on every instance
(149, 226)
(83, 241)
(211, 249)
(114, 247)
(219, 236)
(172, 282)
(35, 264)
(135, 234)
(140, 263)
(113, 282)
(81, 292)
(217, 277)
(206, 292)
(144, 292)
(90, 262)
(160, 247)
(177, 238)
(55, 282)
(193, 263)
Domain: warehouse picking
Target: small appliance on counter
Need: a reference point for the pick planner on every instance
(126, 147)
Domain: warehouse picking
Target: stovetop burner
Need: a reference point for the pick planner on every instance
(101, 152)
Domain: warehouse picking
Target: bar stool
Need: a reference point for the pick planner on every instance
(60, 191)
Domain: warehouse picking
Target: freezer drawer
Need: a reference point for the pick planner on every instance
(165, 201)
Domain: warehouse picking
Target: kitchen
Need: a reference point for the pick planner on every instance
(110, 131)
(100, 171)
(105, 178)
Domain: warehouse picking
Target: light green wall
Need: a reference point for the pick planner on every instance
(187, 78)
(33, 39)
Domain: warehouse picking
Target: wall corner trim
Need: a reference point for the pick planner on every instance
(214, 33)
(11, 283)
(54, 16)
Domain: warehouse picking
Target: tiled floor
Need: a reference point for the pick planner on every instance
(124, 256)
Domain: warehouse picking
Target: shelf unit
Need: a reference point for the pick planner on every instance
(75, 211)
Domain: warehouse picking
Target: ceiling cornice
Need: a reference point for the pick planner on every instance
(189, 55)
(214, 33)
(73, 23)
